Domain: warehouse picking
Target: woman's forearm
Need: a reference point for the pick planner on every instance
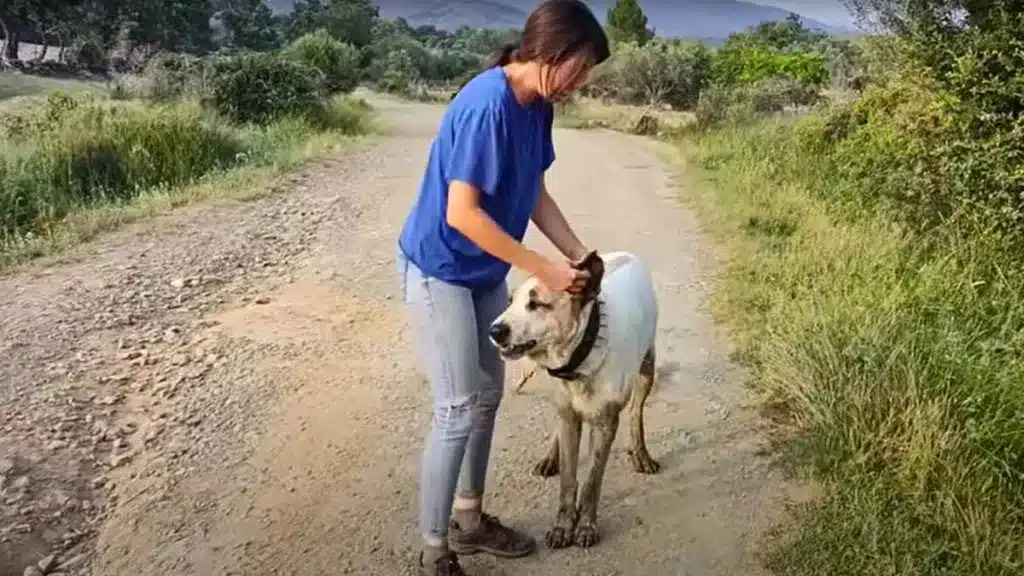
(466, 216)
(552, 223)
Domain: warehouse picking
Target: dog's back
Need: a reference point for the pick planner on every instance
(631, 310)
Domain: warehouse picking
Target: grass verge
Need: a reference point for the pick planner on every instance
(77, 167)
(891, 360)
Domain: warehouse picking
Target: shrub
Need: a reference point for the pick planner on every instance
(721, 105)
(398, 73)
(751, 64)
(84, 153)
(170, 76)
(259, 88)
(337, 61)
(659, 72)
(86, 53)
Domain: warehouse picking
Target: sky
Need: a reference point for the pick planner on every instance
(828, 11)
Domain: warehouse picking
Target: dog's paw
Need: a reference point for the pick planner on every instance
(643, 463)
(558, 537)
(586, 535)
(546, 468)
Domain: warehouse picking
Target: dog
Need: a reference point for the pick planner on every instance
(600, 346)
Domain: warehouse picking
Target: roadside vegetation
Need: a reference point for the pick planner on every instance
(108, 114)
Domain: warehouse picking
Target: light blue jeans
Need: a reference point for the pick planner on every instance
(467, 376)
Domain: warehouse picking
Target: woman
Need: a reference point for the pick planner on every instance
(484, 183)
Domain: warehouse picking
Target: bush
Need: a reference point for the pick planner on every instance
(260, 88)
(659, 72)
(720, 105)
(86, 53)
(78, 154)
(337, 61)
(398, 73)
(171, 76)
(751, 64)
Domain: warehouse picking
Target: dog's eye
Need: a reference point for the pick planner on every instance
(533, 305)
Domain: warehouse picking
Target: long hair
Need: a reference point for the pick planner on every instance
(555, 31)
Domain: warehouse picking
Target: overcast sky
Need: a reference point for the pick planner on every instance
(828, 11)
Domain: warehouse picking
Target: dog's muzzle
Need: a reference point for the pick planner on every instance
(500, 335)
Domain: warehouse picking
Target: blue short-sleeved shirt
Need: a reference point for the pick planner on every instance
(501, 147)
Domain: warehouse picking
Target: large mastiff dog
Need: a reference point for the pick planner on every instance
(600, 346)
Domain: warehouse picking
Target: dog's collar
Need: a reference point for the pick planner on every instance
(579, 355)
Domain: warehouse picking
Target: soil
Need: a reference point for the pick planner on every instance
(231, 389)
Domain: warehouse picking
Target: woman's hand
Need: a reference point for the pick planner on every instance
(563, 277)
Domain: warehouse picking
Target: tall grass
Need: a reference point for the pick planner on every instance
(893, 355)
(72, 155)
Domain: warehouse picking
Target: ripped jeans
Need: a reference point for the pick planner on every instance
(467, 376)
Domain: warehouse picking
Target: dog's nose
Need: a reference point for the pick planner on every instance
(499, 333)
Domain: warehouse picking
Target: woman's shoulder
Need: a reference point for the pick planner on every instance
(487, 92)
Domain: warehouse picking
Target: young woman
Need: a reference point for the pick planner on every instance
(483, 185)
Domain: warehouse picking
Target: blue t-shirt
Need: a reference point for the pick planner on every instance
(501, 147)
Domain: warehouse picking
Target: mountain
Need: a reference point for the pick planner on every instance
(711, 20)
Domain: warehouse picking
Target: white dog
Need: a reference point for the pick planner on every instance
(600, 346)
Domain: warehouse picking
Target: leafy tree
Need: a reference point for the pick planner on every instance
(628, 23)
(351, 21)
(173, 25)
(249, 24)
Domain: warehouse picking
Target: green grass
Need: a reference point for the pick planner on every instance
(890, 359)
(75, 167)
(15, 84)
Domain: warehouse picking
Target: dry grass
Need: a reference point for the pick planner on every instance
(583, 113)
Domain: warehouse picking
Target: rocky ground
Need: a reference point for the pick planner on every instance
(229, 390)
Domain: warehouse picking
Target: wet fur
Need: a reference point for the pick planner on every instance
(624, 378)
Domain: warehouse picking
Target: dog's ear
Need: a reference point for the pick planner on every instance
(593, 264)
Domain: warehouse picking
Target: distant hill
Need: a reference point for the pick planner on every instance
(711, 20)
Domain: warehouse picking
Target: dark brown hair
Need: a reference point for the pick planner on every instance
(555, 31)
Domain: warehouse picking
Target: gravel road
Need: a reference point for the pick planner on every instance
(231, 390)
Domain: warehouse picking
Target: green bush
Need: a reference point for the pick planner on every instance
(337, 61)
(398, 73)
(86, 53)
(260, 88)
(79, 154)
(171, 76)
(751, 64)
(659, 72)
(722, 105)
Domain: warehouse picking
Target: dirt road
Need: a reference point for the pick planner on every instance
(231, 389)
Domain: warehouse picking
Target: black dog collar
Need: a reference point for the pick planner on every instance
(583, 349)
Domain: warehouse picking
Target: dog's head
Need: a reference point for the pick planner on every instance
(541, 323)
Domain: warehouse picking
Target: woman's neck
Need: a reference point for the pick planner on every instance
(522, 78)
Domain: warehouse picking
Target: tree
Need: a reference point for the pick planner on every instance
(351, 21)
(249, 24)
(628, 23)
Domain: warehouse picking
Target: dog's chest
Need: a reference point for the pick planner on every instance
(590, 399)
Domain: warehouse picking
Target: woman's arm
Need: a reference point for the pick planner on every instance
(552, 223)
(465, 215)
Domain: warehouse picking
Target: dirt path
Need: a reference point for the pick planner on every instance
(232, 391)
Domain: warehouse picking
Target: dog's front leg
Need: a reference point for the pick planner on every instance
(548, 465)
(569, 423)
(602, 435)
